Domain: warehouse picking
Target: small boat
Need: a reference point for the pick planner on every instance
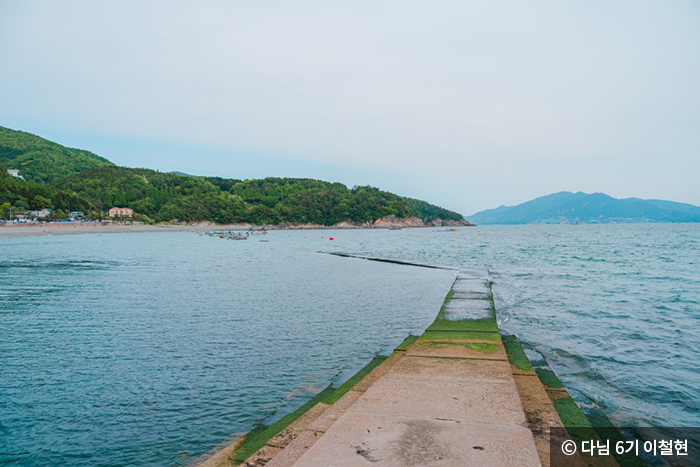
(227, 234)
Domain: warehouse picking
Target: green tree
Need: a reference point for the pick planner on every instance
(40, 202)
(5, 209)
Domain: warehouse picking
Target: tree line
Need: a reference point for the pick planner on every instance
(167, 197)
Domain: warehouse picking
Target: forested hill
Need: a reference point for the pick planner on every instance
(168, 196)
(66, 179)
(41, 160)
(567, 207)
(19, 195)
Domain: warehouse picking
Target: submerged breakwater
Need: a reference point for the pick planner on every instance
(614, 308)
(458, 394)
(461, 393)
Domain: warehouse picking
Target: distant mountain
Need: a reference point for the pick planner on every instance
(567, 207)
(43, 161)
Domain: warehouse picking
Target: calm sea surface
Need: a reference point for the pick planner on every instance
(120, 349)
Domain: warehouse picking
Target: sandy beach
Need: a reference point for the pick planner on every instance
(31, 230)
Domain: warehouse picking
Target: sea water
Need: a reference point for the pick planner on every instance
(152, 348)
(615, 309)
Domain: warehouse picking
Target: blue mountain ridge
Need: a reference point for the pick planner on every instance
(568, 207)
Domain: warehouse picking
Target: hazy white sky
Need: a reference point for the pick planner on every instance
(467, 104)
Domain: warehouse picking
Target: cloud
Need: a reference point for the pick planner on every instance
(496, 100)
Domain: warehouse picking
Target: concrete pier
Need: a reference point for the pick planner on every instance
(451, 397)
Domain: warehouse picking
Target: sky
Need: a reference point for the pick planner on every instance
(466, 104)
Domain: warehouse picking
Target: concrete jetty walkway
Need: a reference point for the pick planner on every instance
(450, 397)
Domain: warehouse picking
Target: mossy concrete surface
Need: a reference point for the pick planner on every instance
(516, 355)
(450, 399)
(418, 397)
(478, 346)
(257, 437)
(406, 342)
(478, 325)
(349, 384)
(460, 335)
(263, 443)
(549, 378)
(467, 314)
(580, 425)
(457, 349)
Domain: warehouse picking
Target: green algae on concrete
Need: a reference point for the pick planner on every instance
(509, 338)
(478, 346)
(482, 324)
(460, 335)
(452, 335)
(607, 430)
(516, 354)
(488, 325)
(257, 437)
(549, 378)
(580, 425)
(349, 384)
(569, 412)
(406, 342)
(450, 295)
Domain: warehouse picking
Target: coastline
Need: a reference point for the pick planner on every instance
(68, 228)
(36, 230)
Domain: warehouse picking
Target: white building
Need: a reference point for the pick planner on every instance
(15, 173)
(40, 213)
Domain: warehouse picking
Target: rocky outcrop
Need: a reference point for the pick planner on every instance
(389, 222)
(353, 225)
(396, 222)
(451, 223)
(292, 226)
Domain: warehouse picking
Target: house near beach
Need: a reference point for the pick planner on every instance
(38, 214)
(121, 212)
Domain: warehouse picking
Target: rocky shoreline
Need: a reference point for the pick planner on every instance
(67, 228)
(389, 222)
